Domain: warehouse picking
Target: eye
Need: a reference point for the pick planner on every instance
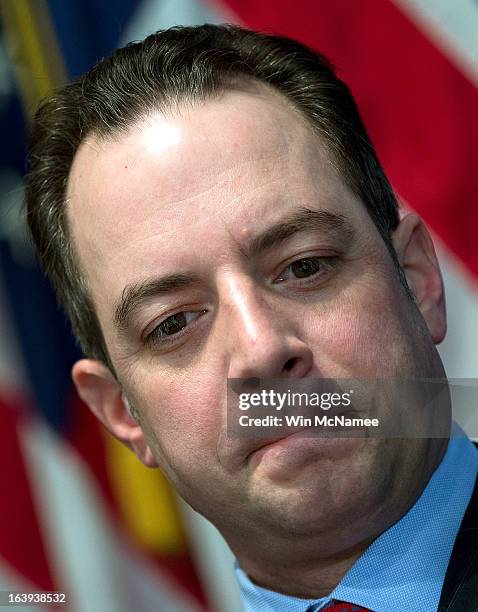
(307, 267)
(173, 327)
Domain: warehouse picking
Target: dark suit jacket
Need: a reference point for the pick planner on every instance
(460, 589)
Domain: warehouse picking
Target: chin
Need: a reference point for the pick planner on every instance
(322, 498)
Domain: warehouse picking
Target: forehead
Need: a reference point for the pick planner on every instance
(189, 183)
(189, 149)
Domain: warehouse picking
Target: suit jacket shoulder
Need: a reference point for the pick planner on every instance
(460, 588)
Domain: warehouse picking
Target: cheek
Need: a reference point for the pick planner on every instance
(185, 419)
(363, 335)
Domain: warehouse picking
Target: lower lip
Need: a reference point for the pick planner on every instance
(298, 450)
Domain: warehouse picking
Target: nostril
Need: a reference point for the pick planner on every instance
(290, 364)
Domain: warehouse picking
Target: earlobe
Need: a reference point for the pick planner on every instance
(417, 257)
(102, 393)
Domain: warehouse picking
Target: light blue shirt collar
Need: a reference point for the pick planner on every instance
(404, 569)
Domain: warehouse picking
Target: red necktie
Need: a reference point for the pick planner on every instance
(337, 606)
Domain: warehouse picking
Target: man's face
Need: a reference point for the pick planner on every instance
(174, 224)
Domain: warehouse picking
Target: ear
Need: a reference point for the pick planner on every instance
(99, 389)
(416, 254)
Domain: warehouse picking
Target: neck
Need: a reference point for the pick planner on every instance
(307, 578)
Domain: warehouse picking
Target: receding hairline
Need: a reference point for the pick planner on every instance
(172, 106)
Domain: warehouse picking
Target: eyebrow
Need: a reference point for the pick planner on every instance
(134, 295)
(304, 219)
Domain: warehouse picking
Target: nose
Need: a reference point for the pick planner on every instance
(262, 335)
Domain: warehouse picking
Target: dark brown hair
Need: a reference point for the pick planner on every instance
(170, 67)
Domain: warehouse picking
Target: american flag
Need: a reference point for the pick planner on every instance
(67, 489)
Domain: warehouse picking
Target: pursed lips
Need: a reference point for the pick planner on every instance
(237, 451)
